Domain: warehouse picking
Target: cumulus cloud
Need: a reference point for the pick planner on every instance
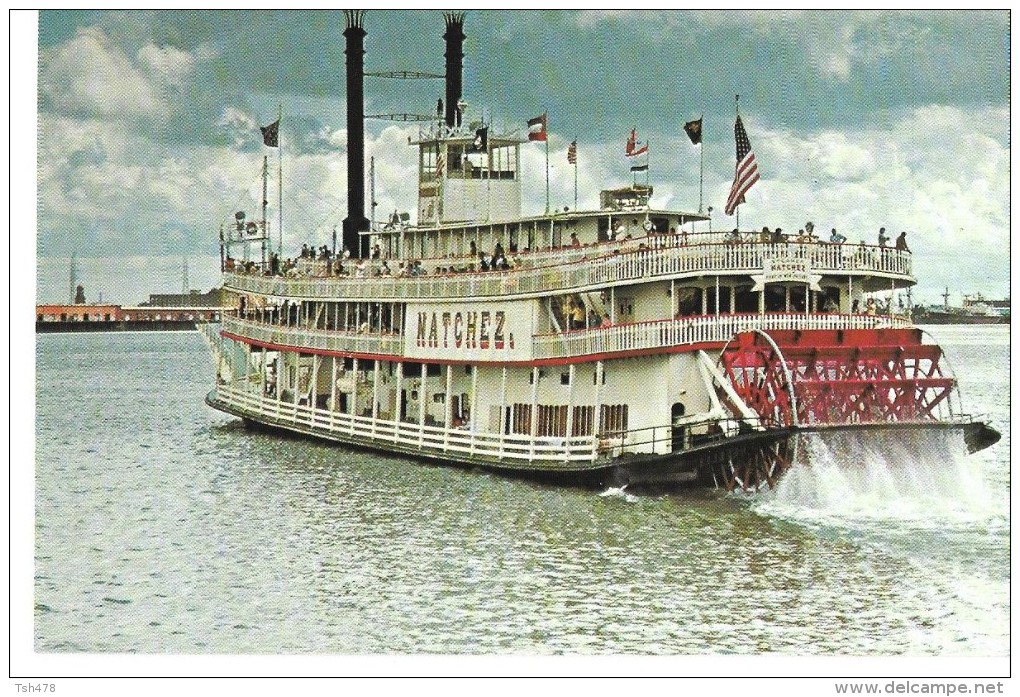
(91, 76)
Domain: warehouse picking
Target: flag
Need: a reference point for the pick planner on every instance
(271, 134)
(481, 142)
(440, 162)
(746, 173)
(639, 168)
(693, 129)
(537, 127)
(572, 153)
(632, 145)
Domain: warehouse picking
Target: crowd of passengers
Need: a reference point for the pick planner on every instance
(806, 235)
(342, 265)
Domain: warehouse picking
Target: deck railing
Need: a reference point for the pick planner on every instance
(585, 268)
(317, 339)
(620, 338)
(542, 452)
(433, 440)
(693, 330)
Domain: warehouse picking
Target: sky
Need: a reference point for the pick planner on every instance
(148, 123)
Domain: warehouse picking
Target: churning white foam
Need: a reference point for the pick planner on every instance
(924, 478)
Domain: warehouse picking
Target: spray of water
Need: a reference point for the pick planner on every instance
(618, 492)
(924, 478)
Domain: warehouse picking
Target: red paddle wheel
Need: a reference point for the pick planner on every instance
(839, 377)
(807, 378)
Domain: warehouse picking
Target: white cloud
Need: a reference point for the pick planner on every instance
(167, 66)
(90, 75)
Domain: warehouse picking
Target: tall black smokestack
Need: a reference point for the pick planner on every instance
(454, 64)
(355, 221)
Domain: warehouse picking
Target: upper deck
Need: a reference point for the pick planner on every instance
(587, 267)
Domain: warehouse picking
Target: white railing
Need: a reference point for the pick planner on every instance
(692, 330)
(589, 268)
(583, 342)
(320, 339)
(540, 452)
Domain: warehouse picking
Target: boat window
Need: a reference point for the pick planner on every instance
(724, 300)
(775, 298)
(688, 301)
(746, 300)
(503, 162)
(429, 156)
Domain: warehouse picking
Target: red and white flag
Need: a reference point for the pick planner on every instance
(633, 147)
(747, 169)
(440, 163)
(572, 153)
(537, 127)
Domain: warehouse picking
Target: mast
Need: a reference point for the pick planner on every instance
(736, 102)
(701, 180)
(279, 173)
(371, 179)
(74, 277)
(547, 167)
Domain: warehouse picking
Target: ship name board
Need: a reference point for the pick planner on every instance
(471, 329)
(785, 269)
(482, 331)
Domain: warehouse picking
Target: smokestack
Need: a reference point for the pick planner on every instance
(454, 37)
(355, 221)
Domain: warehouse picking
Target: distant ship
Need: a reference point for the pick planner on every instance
(976, 309)
(614, 346)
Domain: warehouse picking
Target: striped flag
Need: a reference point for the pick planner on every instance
(634, 148)
(747, 169)
(537, 127)
(572, 153)
(440, 162)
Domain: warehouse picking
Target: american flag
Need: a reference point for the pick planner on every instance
(440, 162)
(572, 153)
(747, 169)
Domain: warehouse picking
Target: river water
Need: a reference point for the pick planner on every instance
(164, 527)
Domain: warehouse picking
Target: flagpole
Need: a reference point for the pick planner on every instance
(279, 174)
(701, 181)
(648, 159)
(575, 176)
(736, 106)
(546, 124)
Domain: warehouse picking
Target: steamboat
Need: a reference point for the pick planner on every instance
(627, 345)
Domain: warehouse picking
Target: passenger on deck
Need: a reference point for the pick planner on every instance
(577, 317)
(574, 242)
(882, 237)
(901, 242)
(836, 238)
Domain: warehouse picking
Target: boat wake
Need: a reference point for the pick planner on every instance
(918, 480)
(619, 492)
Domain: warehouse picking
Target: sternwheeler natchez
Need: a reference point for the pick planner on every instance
(623, 345)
